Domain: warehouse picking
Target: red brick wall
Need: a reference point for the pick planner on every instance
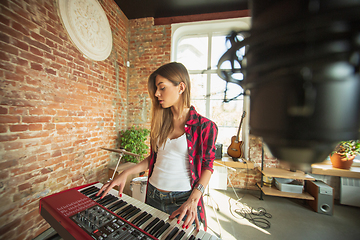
(56, 109)
(149, 48)
(255, 154)
(247, 178)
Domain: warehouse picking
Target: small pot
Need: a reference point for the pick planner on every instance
(340, 161)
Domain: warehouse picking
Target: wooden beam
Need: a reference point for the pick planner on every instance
(202, 17)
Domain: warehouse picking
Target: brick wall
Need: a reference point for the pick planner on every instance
(56, 109)
(149, 48)
(247, 178)
(256, 151)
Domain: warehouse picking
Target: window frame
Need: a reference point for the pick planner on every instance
(213, 28)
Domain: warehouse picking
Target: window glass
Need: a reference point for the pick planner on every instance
(200, 54)
(192, 51)
(218, 87)
(219, 108)
(200, 106)
(227, 115)
(198, 86)
(218, 48)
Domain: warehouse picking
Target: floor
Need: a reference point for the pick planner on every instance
(290, 218)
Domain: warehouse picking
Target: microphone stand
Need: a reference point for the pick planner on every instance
(121, 152)
(117, 165)
(207, 194)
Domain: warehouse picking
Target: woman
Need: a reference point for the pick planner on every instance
(182, 149)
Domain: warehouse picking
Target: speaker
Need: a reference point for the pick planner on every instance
(324, 197)
(218, 151)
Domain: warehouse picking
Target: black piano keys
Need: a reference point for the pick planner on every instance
(90, 190)
(126, 208)
(172, 233)
(132, 213)
(139, 217)
(145, 219)
(151, 224)
(107, 200)
(192, 237)
(162, 230)
(129, 211)
(157, 227)
(119, 204)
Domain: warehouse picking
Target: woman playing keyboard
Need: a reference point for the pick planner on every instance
(182, 149)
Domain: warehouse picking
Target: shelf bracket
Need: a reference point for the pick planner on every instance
(262, 169)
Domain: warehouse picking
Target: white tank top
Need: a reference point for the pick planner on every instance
(172, 171)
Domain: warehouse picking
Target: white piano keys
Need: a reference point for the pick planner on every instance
(200, 234)
(205, 236)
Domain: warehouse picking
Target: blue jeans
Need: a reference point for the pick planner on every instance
(167, 201)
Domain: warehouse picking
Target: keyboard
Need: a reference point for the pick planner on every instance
(78, 214)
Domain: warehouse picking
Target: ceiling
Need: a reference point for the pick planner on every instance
(170, 8)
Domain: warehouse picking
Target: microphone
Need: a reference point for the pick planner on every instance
(301, 68)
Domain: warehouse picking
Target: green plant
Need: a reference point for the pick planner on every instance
(347, 148)
(133, 140)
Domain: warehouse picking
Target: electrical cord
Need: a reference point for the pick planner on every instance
(262, 222)
(246, 212)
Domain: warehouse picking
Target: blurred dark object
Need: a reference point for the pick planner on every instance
(218, 151)
(301, 70)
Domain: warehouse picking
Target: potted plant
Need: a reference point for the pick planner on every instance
(133, 140)
(344, 153)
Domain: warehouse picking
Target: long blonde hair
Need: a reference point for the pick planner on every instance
(162, 118)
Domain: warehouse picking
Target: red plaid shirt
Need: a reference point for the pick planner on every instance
(201, 134)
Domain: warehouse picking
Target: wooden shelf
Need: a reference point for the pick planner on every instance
(283, 173)
(273, 191)
(328, 169)
(227, 161)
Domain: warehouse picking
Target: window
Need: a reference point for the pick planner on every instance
(199, 47)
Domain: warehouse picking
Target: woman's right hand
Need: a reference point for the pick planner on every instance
(120, 181)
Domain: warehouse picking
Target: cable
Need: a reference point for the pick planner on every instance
(258, 221)
(261, 215)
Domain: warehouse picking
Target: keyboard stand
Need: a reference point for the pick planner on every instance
(213, 203)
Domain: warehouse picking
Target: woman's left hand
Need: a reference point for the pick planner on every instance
(188, 208)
